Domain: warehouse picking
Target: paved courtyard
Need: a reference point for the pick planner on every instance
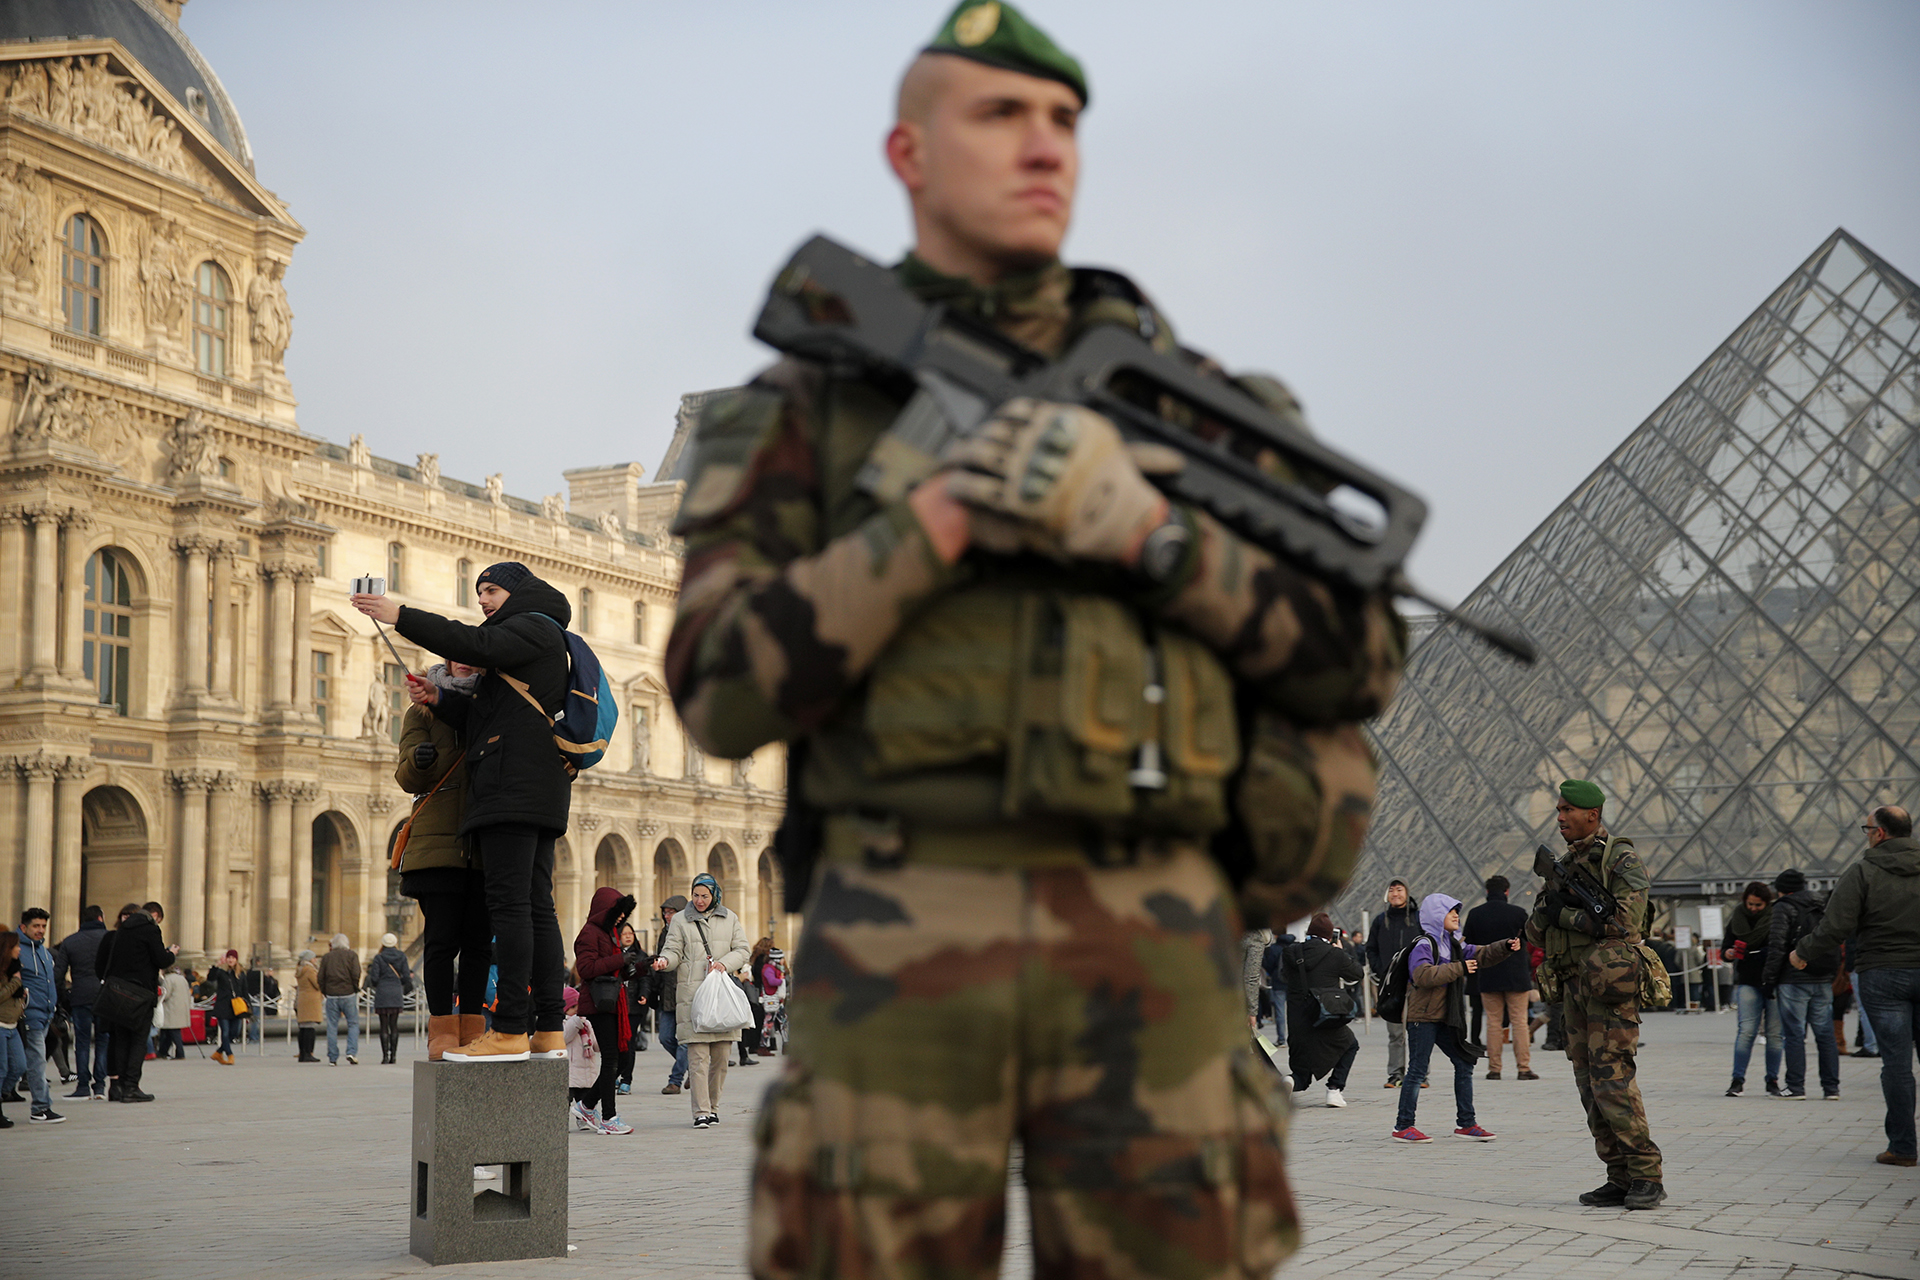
(277, 1169)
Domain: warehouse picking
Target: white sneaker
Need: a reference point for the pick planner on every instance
(1335, 1098)
(483, 1174)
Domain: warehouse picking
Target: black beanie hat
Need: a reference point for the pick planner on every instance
(1790, 881)
(508, 575)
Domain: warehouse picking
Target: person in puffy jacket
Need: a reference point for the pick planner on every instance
(1436, 1014)
(600, 963)
(176, 1014)
(437, 869)
(519, 790)
(390, 978)
(1749, 930)
(705, 938)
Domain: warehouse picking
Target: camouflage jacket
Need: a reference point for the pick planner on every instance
(1614, 864)
(795, 584)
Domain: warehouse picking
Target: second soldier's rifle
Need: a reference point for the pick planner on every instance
(1354, 526)
(1601, 907)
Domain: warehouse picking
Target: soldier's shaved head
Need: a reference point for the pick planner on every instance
(926, 76)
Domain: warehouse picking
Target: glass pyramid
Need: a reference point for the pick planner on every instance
(1726, 612)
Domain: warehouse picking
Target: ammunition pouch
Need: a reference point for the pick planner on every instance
(1656, 984)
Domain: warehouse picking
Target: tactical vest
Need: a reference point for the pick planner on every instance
(1028, 691)
(1571, 943)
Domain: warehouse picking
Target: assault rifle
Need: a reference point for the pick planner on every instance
(1601, 907)
(831, 305)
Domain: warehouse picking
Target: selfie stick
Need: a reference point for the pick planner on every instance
(398, 661)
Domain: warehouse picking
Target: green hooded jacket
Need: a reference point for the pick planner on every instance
(1877, 904)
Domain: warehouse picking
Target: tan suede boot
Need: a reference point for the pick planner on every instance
(472, 1027)
(443, 1033)
(549, 1044)
(495, 1046)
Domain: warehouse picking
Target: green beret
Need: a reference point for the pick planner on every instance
(996, 33)
(1582, 794)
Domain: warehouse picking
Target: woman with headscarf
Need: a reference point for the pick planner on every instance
(1436, 1014)
(223, 984)
(437, 869)
(309, 1004)
(390, 978)
(705, 938)
(1318, 963)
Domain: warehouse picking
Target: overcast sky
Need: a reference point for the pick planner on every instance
(1482, 241)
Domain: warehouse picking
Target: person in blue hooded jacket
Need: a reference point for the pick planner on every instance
(1436, 1014)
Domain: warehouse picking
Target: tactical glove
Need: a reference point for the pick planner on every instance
(424, 755)
(1063, 472)
(1554, 902)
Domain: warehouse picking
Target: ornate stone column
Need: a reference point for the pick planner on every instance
(45, 592)
(277, 857)
(300, 924)
(70, 777)
(73, 590)
(193, 608)
(301, 653)
(219, 916)
(223, 620)
(13, 589)
(190, 896)
(36, 886)
(276, 681)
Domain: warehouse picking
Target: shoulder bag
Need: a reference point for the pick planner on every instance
(406, 829)
(122, 1001)
(1334, 1006)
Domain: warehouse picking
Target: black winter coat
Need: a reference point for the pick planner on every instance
(135, 952)
(73, 959)
(1791, 922)
(1494, 920)
(1313, 1051)
(1392, 930)
(514, 772)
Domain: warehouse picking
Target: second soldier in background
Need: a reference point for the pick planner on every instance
(1008, 936)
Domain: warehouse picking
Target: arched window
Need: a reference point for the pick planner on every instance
(396, 562)
(583, 623)
(210, 320)
(83, 275)
(463, 583)
(640, 622)
(106, 648)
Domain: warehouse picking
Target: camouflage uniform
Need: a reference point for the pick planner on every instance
(1004, 940)
(1604, 1034)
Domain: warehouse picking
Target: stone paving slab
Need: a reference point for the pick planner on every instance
(280, 1169)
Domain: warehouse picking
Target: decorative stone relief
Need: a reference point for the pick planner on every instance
(743, 773)
(497, 489)
(48, 411)
(379, 803)
(696, 769)
(358, 455)
(427, 467)
(374, 721)
(702, 833)
(272, 329)
(166, 281)
(84, 96)
(642, 742)
(610, 525)
(587, 822)
(193, 451)
(23, 232)
(554, 507)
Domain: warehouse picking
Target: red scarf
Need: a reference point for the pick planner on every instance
(625, 1035)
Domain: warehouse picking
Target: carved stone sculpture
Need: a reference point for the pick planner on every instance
(194, 451)
(696, 770)
(642, 742)
(48, 412)
(376, 719)
(554, 507)
(743, 773)
(272, 315)
(358, 455)
(23, 232)
(84, 96)
(166, 283)
(610, 524)
(497, 489)
(427, 467)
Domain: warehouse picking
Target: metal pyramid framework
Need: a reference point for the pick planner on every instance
(1726, 611)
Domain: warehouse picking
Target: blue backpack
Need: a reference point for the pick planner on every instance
(588, 716)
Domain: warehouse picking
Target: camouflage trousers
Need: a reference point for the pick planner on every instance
(1093, 1014)
(1601, 1042)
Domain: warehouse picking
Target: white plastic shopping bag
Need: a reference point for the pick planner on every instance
(720, 1005)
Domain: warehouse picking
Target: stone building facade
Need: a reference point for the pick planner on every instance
(189, 709)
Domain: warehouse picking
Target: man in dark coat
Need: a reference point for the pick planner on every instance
(1503, 986)
(136, 954)
(73, 959)
(1392, 930)
(518, 788)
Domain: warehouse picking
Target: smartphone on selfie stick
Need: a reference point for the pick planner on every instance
(378, 587)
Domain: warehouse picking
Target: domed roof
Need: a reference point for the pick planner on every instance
(156, 43)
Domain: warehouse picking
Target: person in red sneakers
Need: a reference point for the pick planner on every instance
(1436, 1014)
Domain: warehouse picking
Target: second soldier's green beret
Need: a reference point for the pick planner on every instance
(996, 33)
(1582, 794)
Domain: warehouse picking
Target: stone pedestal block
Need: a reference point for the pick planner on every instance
(509, 1114)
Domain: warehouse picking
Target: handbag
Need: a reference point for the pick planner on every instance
(604, 992)
(406, 828)
(240, 1007)
(1334, 1006)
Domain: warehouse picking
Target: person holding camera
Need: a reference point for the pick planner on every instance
(1321, 1045)
(1436, 1014)
(128, 965)
(437, 869)
(519, 790)
(604, 968)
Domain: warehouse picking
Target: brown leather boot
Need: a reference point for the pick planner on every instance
(495, 1046)
(472, 1027)
(443, 1033)
(548, 1044)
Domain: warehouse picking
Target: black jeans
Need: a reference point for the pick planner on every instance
(526, 933)
(606, 1035)
(389, 1033)
(126, 1055)
(456, 926)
